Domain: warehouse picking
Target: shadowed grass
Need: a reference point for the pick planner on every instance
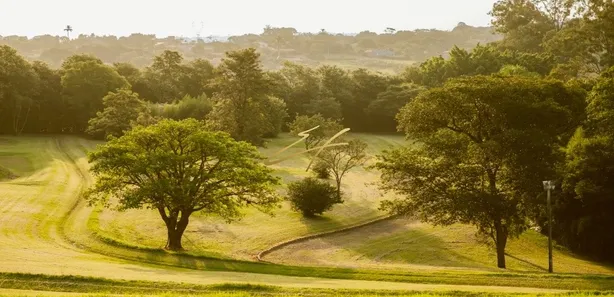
(404, 243)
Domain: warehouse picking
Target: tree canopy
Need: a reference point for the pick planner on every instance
(485, 144)
(179, 168)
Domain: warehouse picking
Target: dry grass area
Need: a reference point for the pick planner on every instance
(407, 244)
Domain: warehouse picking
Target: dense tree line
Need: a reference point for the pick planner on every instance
(272, 43)
(238, 96)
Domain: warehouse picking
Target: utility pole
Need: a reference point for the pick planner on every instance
(549, 186)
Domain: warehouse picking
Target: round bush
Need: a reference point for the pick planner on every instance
(312, 196)
(321, 169)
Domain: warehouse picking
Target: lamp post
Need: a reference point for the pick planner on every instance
(549, 186)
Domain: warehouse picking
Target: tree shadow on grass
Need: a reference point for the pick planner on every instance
(536, 266)
(384, 243)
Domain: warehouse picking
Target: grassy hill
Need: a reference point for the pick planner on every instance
(46, 228)
(211, 236)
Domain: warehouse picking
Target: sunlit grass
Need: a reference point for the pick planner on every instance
(410, 244)
(211, 236)
(45, 228)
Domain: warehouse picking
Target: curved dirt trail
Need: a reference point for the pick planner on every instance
(33, 210)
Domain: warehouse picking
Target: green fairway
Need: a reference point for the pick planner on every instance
(211, 236)
(45, 228)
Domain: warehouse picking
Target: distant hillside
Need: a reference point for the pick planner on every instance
(392, 50)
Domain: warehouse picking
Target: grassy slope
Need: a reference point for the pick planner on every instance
(33, 209)
(404, 243)
(211, 236)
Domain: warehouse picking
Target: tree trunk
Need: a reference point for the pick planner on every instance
(500, 242)
(338, 187)
(173, 242)
(175, 227)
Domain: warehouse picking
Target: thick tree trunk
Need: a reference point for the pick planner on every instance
(175, 227)
(173, 242)
(500, 242)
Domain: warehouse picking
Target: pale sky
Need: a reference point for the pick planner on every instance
(233, 17)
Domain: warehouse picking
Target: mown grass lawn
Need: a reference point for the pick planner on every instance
(41, 285)
(44, 230)
(406, 243)
(213, 237)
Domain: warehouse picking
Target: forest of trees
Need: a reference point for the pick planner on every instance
(274, 44)
(493, 121)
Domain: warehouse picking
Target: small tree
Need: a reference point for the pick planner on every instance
(179, 168)
(340, 159)
(312, 196)
(327, 128)
(121, 108)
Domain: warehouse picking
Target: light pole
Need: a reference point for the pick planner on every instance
(549, 186)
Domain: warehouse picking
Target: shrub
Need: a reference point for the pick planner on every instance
(321, 169)
(312, 197)
(188, 107)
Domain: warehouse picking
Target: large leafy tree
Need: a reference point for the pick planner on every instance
(485, 145)
(382, 111)
(197, 78)
(121, 109)
(163, 77)
(523, 24)
(366, 87)
(49, 110)
(583, 214)
(85, 81)
(242, 97)
(18, 85)
(336, 83)
(299, 86)
(179, 168)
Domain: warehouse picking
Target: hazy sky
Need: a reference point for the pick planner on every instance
(233, 17)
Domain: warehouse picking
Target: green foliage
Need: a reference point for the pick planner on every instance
(481, 60)
(512, 70)
(326, 128)
(121, 109)
(583, 214)
(178, 168)
(275, 111)
(163, 77)
(321, 169)
(48, 114)
(18, 85)
(485, 143)
(243, 106)
(85, 81)
(523, 24)
(188, 107)
(384, 109)
(312, 197)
